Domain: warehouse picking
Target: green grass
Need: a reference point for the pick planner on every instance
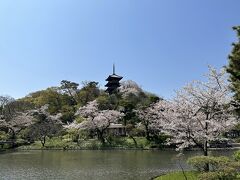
(66, 143)
(178, 176)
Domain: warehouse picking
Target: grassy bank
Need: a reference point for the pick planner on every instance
(113, 143)
(178, 176)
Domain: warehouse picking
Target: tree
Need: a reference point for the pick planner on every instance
(96, 120)
(133, 97)
(203, 111)
(6, 108)
(153, 117)
(44, 125)
(89, 92)
(50, 96)
(130, 87)
(6, 127)
(234, 65)
(108, 101)
(70, 88)
(131, 132)
(18, 122)
(200, 112)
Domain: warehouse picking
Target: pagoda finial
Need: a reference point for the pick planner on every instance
(113, 68)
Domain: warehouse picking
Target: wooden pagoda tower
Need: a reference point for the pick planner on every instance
(113, 82)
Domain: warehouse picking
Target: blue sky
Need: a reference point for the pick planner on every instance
(160, 44)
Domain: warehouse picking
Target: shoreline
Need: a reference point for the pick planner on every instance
(112, 148)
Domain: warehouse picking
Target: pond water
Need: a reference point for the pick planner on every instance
(91, 165)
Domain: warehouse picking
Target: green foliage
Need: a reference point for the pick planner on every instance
(66, 98)
(199, 162)
(128, 109)
(3, 136)
(74, 134)
(55, 143)
(178, 176)
(68, 85)
(26, 134)
(236, 155)
(49, 96)
(106, 101)
(115, 141)
(83, 134)
(70, 88)
(89, 92)
(208, 176)
(234, 65)
(220, 167)
(159, 139)
(226, 173)
(91, 144)
(79, 119)
(43, 128)
(20, 142)
(68, 114)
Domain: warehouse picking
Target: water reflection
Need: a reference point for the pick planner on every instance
(89, 165)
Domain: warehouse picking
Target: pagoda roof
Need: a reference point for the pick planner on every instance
(110, 84)
(113, 77)
(110, 90)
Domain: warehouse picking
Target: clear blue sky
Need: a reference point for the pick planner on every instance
(160, 44)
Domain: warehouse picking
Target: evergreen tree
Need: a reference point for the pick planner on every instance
(234, 65)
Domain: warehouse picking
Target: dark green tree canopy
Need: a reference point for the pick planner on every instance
(234, 65)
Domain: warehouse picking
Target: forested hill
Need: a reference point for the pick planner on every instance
(67, 98)
(89, 113)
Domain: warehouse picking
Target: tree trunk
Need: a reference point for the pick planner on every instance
(147, 131)
(134, 140)
(43, 141)
(13, 134)
(205, 148)
(100, 136)
(205, 145)
(206, 168)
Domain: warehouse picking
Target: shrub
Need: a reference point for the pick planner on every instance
(236, 155)
(160, 140)
(3, 136)
(115, 141)
(79, 119)
(220, 167)
(73, 134)
(226, 173)
(215, 163)
(190, 175)
(208, 176)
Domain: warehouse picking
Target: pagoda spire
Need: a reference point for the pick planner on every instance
(113, 68)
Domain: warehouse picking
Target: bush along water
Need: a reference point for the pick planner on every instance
(219, 167)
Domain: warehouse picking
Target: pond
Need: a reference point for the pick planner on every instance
(91, 165)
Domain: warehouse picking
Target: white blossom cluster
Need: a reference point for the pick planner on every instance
(199, 113)
(129, 87)
(94, 118)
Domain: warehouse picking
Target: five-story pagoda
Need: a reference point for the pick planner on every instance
(113, 82)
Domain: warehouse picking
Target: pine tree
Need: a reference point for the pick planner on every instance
(234, 65)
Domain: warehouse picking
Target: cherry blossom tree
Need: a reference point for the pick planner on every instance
(43, 124)
(129, 87)
(201, 112)
(96, 120)
(154, 117)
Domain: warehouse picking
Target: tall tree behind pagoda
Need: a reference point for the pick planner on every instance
(234, 65)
